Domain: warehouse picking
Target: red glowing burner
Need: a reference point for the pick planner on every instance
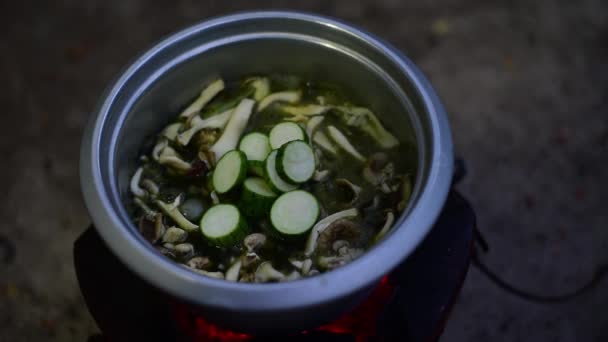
(361, 322)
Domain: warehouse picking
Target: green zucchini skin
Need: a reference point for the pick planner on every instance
(272, 176)
(285, 158)
(232, 234)
(257, 198)
(224, 167)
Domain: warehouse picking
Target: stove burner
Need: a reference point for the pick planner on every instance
(410, 304)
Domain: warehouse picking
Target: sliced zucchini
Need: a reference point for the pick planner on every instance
(296, 162)
(223, 225)
(230, 171)
(257, 197)
(294, 213)
(256, 147)
(284, 133)
(272, 176)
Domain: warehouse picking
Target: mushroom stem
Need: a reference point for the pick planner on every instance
(390, 218)
(233, 272)
(172, 211)
(216, 121)
(206, 95)
(234, 128)
(134, 186)
(169, 157)
(283, 96)
(342, 140)
(265, 272)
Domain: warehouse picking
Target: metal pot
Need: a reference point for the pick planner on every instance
(150, 92)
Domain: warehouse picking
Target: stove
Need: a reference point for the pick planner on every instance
(412, 303)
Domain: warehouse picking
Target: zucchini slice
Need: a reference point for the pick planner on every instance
(256, 147)
(223, 225)
(229, 172)
(294, 213)
(284, 133)
(272, 176)
(296, 162)
(257, 197)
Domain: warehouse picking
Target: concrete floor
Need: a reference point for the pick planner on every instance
(525, 84)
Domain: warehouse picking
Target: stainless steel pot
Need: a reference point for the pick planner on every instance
(150, 92)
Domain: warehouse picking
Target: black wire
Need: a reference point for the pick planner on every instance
(600, 273)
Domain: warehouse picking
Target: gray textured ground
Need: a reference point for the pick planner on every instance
(525, 84)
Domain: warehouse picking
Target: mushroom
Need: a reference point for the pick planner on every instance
(152, 230)
(406, 192)
(134, 185)
(164, 250)
(323, 141)
(334, 261)
(250, 259)
(169, 157)
(378, 171)
(304, 112)
(152, 187)
(265, 272)
(339, 244)
(200, 263)
(247, 278)
(343, 142)
(312, 125)
(353, 190)
(175, 235)
(304, 266)
(148, 212)
(342, 229)
(390, 218)
(283, 96)
(261, 86)
(232, 274)
(206, 95)
(321, 176)
(214, 198)
(170, 132)
(158, 148)
(367, 121)
(234, 128)
(318, 228)
(253, 242)
(217, 121)
(184, 250)
(172, 211)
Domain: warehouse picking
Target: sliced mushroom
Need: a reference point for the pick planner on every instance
(206, 95)
(217, 121)
(303, 266)
(148, 213)
(184, 250)
(200, 263)
(250, 259)
(342, 229)
(318, 228)
(321, 176)
(378, 169)
(265, 272)
(312, 125)
(283, 96)
(170, 132)
(304, 112)
(367, 121)
(166, 251)
(343, 142)
(234, 128)
(313, 272)
(261, 86)
(150, 186)
(253, 242)
(352, 190)
(214, 198)
(390, 219)
(169, 157)
(172, 211)
(339, 244)
(152, 230)
(134, 185)
(158, 148)
(232, 274)
(175, 235)
(334, 261)
(323, 141)
(247, 278)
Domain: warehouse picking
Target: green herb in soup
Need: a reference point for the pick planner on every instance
(271, 179)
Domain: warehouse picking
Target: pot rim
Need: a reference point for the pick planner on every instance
(363, 272)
